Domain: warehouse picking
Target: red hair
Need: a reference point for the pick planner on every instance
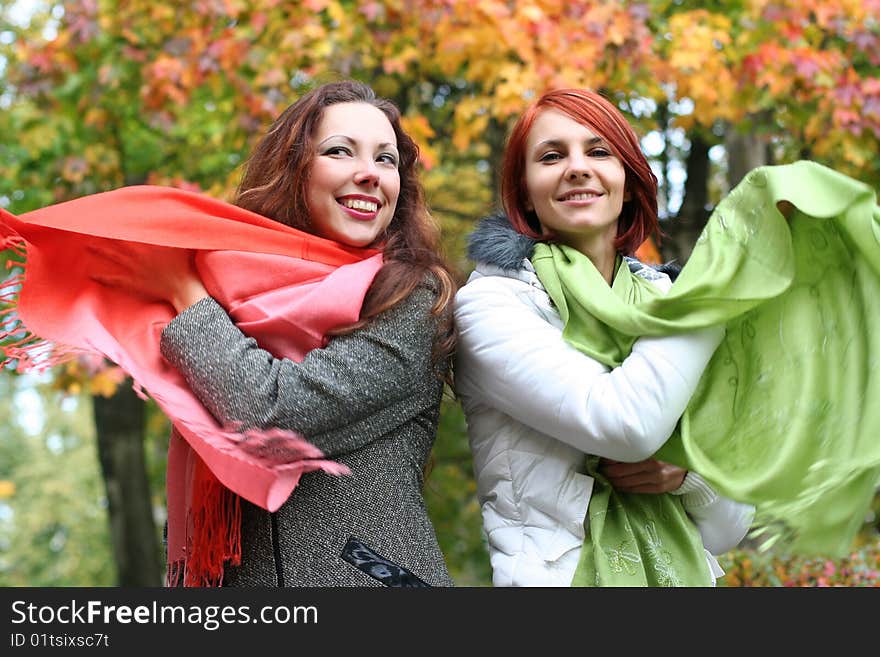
(638, 219)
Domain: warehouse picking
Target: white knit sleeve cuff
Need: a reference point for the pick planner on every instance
(695, 491)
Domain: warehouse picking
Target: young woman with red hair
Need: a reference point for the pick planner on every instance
(553, 426)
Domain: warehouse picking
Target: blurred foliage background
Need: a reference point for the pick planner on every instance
(97, 94)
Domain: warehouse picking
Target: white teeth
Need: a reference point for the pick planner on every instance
(580, 197)
(357, 204)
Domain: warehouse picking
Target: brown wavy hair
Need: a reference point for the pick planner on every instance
(638, 218)
(274, 184)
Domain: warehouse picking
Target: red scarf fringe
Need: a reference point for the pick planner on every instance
(29, 352)
(213, 529)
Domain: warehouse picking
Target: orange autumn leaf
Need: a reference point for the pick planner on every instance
(648, 253)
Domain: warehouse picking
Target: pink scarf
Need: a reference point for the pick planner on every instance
(284, 287)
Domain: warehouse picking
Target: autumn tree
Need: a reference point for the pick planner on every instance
(99, 94)
(765, 81)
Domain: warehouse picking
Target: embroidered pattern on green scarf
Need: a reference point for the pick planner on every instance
(785, 416)
(638, 540)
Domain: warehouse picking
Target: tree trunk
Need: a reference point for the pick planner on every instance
(119, 421)
(495, 136)
(744, 153)
(687, 226)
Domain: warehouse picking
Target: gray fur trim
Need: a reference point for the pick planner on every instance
(495, 242)
(670, 269)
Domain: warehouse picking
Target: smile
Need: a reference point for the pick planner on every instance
(359, 204)
(580, 196)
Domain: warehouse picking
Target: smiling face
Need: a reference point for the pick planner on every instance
(354, 180)
(576, 184)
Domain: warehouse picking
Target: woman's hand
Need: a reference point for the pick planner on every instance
(648, 476)
(156, 273)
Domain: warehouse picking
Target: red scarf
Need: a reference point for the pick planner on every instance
(284, 287)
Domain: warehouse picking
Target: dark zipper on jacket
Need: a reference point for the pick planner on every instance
(276, 548)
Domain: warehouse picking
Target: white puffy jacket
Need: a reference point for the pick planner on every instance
(535, 406)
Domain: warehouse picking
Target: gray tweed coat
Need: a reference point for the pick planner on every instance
(369, 400)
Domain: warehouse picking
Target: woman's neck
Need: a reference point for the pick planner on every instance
(598, 247)
(606, 263)
(603, 255)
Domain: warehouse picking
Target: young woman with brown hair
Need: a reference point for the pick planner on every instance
(336, 164)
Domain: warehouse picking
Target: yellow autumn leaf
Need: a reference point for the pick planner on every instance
(41, 137)
(687, 59)
(854, 151)
(420, 130)
(428, 156)
(310, 31)
(337, 13)
(418, 127)
(467, 132)
(321, 49)
(617, 31)
(531, 13)
(106, 381)
(7, 489)
(95, 117)
(684, 121)
(160, 11)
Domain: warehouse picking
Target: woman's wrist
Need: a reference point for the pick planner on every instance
(189, 294)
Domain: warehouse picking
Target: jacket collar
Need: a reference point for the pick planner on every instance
(494, 242)
(497, 248)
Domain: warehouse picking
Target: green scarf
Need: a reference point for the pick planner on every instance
(786, 415)
(631, 539)
(638, 540)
